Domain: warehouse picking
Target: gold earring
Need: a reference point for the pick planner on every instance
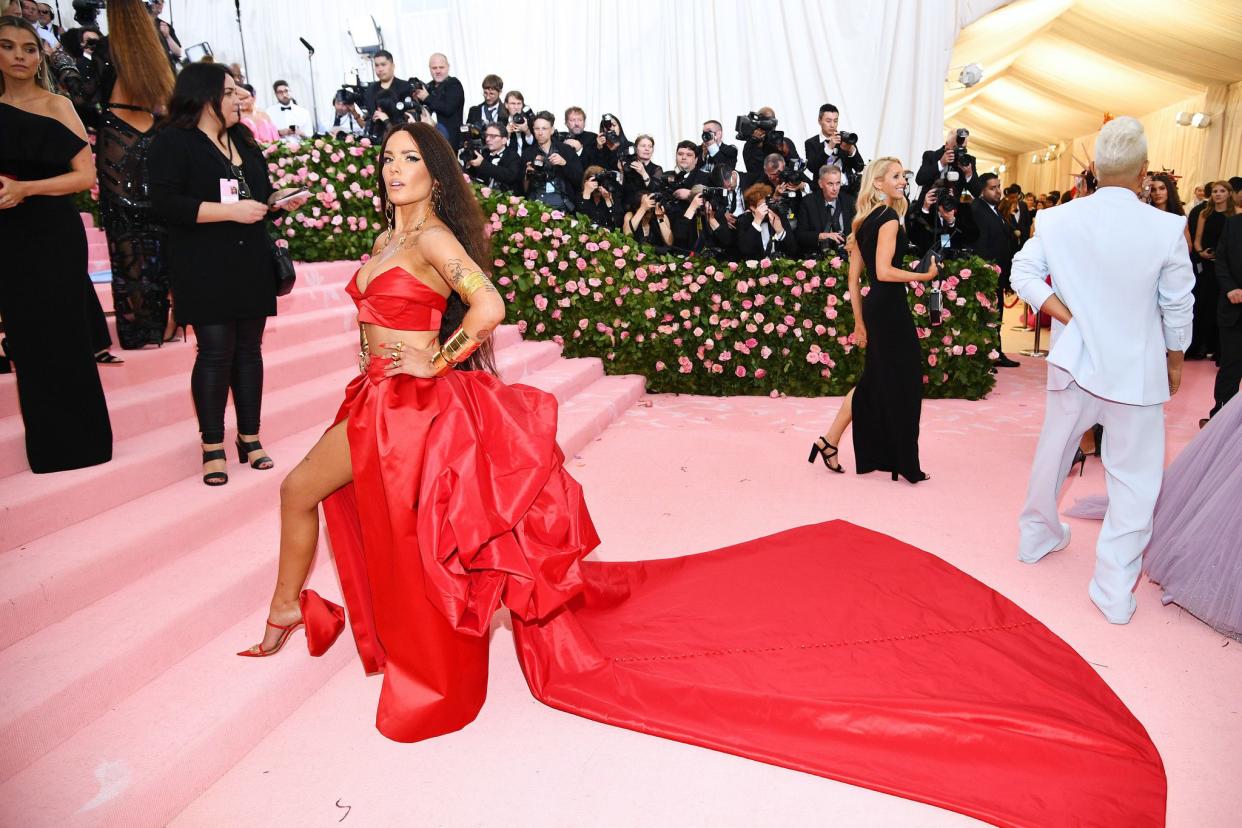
(389, 214)
(435, 196)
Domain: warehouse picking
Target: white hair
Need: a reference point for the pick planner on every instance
(1121, 147)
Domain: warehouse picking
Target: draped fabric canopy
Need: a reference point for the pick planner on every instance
(1053, 68)
(662, 68)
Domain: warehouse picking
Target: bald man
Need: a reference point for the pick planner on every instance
(444, 96)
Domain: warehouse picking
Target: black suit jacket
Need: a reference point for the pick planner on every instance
(750, 241)
(929, 171)
(816, 157)
(505, 171)
(921, 230)
(726, 156)
(754, 153)
(995, 242)
(447, 100)
(475, 115)
(375, 95)
(813, 219)
(568, 179)
(1229, 271)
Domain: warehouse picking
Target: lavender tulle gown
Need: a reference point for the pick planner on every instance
(1195, 552)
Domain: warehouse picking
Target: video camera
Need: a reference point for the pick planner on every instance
(773, 138)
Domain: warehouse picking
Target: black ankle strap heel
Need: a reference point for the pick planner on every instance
(216, 478)
(244, 450)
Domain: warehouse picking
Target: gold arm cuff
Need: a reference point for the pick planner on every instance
(454, 351)
(472, 283)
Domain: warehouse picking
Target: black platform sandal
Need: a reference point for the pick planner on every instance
(244, 450)
(106, 357)
(823, 451)
(215, 478)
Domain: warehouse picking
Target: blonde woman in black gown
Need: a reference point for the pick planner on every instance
(886, 403)
(44, 160)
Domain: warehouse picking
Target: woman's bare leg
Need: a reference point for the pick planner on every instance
(325, 469)
(845, 415)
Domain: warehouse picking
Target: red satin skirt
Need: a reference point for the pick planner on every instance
(450, 474)
(830, 649)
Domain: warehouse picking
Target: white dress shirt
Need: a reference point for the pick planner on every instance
(1123, 270)
(292, 114)
(47, 35)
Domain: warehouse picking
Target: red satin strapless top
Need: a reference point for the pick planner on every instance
(399, 300)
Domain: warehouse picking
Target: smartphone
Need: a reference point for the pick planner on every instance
(283, 200)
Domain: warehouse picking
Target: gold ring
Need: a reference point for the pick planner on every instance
(399, 347)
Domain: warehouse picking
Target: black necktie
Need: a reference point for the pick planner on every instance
(285, 108)
(832, 216)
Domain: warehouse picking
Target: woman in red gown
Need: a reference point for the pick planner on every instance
(830, 649)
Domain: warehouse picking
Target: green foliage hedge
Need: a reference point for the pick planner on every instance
(690, 325)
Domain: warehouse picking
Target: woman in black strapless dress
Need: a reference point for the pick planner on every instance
(44, 159)
(886, 403)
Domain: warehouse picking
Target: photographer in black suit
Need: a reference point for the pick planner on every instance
(790, 185)
(576, 136)
(1023, 217)
(952, 162)
(995, 242)
(836, 148)
(685, 210)
(638, 171)
(517, 122)
(610, 144)
(948, 226)
(824, 218)
(490, 111)
(714, 155)
(601, 197)
(762, 139)
(760, 231)
(445, 97)
(495, 165)
(553, 174)
(383, 99)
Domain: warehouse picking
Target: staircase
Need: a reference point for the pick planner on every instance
(126, 588)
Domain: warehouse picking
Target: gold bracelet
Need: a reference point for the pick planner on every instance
(473, 282)
(454, 351)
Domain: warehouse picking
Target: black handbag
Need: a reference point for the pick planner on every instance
(282, 268)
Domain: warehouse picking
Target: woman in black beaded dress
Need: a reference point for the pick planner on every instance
(887, 402)
(134, 85)
(44, 160)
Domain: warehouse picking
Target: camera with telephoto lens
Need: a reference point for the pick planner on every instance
(961, 155)
(792, 174)
(541, 169)
(745, 125)
(86, 12)
(707, 137)
(351, 93)
(471, 143)
(608, 128)
(850, 138)
(525, 115)
(608, 180)
(661, 188)
(948, 191)
(717, 197)
(417, 84)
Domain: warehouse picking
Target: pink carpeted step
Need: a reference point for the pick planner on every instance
(591, 411)
(155, 404)
(142, 761)
(32, 505)
(67, 675)
(96, 235)
(54, 576)
(88, 220)
(97, 248)
(523, 358)
(566, 377)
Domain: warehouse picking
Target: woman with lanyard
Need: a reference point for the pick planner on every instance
(209, 182)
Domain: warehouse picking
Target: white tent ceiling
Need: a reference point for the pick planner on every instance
(1053, 68)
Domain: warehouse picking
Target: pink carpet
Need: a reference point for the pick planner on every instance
(126, 591)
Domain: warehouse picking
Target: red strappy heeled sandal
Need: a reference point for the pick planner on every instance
(258, 652)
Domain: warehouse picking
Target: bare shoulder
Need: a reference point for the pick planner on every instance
(61, 108)
(380, 241)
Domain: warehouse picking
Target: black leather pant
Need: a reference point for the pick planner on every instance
(230, 355)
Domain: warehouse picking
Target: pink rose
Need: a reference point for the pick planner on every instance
(971, 350)
(739, 372)
(931, 359)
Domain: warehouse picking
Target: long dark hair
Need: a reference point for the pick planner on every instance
(457, 208)
(1174, 203)
(199, 85)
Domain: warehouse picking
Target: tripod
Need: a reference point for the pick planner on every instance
(310, 62)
